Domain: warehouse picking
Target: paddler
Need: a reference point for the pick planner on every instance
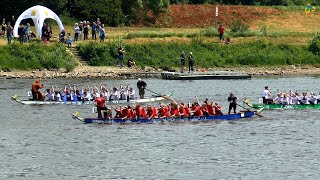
(36, 94)
(101, 105)
(196, 109)
(151, 112)
(217, 109)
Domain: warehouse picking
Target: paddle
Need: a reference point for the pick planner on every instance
(256, 113)
(165, 97)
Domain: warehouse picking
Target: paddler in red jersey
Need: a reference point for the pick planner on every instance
(174, 110)
(166, 110)
(151, 112)
(217, 109)
(161, 112)
(140, 112)
(36, 94)
(196, 109)
(204, 109)
(186, 108)
(127, 113)
(182, 111)
(101, 105)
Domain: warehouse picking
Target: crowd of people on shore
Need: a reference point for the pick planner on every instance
(82, 31)
(289, 97)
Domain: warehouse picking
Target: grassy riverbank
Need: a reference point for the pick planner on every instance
(259, 53)
(35, 56)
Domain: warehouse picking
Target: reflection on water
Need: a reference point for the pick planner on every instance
(44, 142)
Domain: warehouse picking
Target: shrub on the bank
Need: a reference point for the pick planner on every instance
(314, 45)
(260, 53)
(35, 56)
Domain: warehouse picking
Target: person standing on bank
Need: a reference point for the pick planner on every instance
(191, 62)
(141, 86)
(182, 60)
(232, 103)
(121, 56)
(221, 33)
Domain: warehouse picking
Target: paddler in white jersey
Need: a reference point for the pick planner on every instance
(318, 98)
(49, 95)
(312, 98)
(305, 99)
(295, 98)
(279, 99)
(266, 95)
(132, 93)
(286, 99)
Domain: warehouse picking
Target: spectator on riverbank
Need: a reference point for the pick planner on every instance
(76, 32)
(182, 62)
(69, 40)
(21, 34)
(131, 63)
(121, 56)
(221, 32)
(27, 33)
(80, 30)
(191, 62)
(62, 35)
(85, 31)
(3, 27)
(12, 21)
(9, 33)
(228, 41)
(102, 33)
(94, 31)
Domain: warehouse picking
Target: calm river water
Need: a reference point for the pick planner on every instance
(43, 142)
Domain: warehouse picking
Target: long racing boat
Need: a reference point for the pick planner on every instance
(226, 117)
(113, 102)
(281, 106)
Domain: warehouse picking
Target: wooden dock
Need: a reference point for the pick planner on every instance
(204, 75)
(140, 75)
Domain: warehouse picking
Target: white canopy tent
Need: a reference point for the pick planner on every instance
(38, 14)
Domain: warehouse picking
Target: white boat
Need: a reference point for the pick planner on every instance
(113, 102)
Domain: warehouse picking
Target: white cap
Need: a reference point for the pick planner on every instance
(139, 79)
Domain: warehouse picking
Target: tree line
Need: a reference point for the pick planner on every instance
(121, 12)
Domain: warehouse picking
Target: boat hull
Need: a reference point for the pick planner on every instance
(227, 117)
(115, 102)
(280, 106)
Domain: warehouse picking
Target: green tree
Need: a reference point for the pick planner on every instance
(109, 11)
(131, 10)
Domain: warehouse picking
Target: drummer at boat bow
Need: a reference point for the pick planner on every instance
(36, 94)
(141, 86)
(266, 96)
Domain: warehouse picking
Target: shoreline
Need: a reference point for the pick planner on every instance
(113, 72)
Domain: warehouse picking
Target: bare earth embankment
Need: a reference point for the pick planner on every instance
(111, 72)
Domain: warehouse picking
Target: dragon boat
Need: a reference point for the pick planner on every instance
(226, 117)
(282, 107)
(113, 102)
